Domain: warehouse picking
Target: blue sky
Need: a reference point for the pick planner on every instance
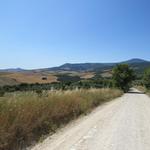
(45, 33)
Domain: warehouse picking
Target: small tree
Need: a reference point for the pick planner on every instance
(123, 76)
(146, 78)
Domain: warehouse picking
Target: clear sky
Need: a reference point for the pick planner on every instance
(46, 33)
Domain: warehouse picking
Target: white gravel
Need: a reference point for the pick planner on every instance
(122, 124)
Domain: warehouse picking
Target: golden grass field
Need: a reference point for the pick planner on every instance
(87, 75)
(36, 77)
(26, 116)
(106, 73)
(31, 77)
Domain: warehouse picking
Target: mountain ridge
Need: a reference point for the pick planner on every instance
(135, 62)
(100, 66)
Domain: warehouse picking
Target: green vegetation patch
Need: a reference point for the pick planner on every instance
(67, 78)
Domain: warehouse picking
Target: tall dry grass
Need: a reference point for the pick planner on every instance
(25, 117)
(141, 88)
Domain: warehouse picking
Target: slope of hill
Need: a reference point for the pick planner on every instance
(8, 81)
(82, 67)
(137, 64)
(82, 70)
(136, 60)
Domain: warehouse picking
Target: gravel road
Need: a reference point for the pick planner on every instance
(122, 124)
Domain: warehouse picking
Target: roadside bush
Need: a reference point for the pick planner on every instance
(146, 78)
(123, 76)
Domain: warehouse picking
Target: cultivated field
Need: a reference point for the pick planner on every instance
(32, 77)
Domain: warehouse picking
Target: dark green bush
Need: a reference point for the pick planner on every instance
(146, 78)
(123, 76)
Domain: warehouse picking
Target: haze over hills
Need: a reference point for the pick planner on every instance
(138, 64)
(12, 70)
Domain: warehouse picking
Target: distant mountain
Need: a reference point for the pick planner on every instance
(12, 70)
(15, 76)
(82, 67)
(135, 60)
(137, 64)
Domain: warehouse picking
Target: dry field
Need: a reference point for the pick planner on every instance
(25, 117)
(7, 78)
(31, 77)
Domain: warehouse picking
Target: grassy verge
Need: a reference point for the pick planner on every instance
(147, 91)
(26, 116)
(143, 89)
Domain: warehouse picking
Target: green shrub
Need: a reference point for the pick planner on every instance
(123, 76)
(146, 78)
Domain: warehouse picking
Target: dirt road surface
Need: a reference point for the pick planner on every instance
(122, 124)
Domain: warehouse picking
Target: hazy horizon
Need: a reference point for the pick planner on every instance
(71, 63)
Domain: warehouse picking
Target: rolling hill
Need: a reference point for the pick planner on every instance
(82, 70)
(137, 64)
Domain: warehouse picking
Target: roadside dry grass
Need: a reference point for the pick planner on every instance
(141, 88)
(25, 117)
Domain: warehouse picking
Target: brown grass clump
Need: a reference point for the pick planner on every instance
(25, 117)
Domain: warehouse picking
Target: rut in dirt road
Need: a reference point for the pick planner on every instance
(122, 124)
